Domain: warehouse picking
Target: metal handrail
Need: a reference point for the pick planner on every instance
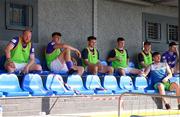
(141, 94)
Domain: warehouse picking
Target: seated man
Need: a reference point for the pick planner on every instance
(160, 74)
(90, 56)
(58, 56)
(119, 58)
(171, 57)
(20, 54)
(145, 57)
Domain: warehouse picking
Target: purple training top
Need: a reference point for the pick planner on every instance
(50, 47)
(170, 58)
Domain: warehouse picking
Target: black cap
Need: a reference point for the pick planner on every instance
(172, 44)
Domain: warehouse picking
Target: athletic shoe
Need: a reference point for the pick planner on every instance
(167, 106)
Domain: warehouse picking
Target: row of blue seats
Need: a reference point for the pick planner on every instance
(53, 84)
(32, 84)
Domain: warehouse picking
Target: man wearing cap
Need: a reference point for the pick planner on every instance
(120, 59)
(90, 56)
(145, 57)
(171, 57)
(58, 56)
(20, 54)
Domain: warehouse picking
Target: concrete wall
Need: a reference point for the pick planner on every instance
(6, 34)
(32, 106)
(116, 19)
(106, 19)
(167, 14)
(73, 18)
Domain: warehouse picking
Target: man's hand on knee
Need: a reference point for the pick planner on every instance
(10, 63)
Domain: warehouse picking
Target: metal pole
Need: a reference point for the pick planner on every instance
(141, 94)
(119, 105)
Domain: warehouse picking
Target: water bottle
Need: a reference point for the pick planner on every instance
(1, 111)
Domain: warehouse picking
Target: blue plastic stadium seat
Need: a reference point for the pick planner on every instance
(141, 84)
(126, 83)
(37, 61)
(93, 83)
(44, 65)
(170, 92)
(150, 83)
(104, 63)
(45, 72)
(55, 83)
(75, 83)
(33, 84)
(2, 62)
(131, 64)
(176, 74)
(1, 93)
(116, 73)
(110, 83)
(62, 73)
(9, 85)
(2, 71)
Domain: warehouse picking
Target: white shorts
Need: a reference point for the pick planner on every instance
(19, 66)
(57, 66)
(127, 70)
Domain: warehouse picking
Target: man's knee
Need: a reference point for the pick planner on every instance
(93, 69)
(122, 72)
(160, 86)
(110, 69)
(38, 67)
(65, 55)
(66, 50)
(175, 85)
(81, 69)
(9, 68)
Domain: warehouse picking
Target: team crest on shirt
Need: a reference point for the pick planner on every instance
(14, 40)
(33, 50)
(52, 43)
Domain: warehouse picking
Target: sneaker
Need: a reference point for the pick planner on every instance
(167, 106)
(178, 106)
(72, 71)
